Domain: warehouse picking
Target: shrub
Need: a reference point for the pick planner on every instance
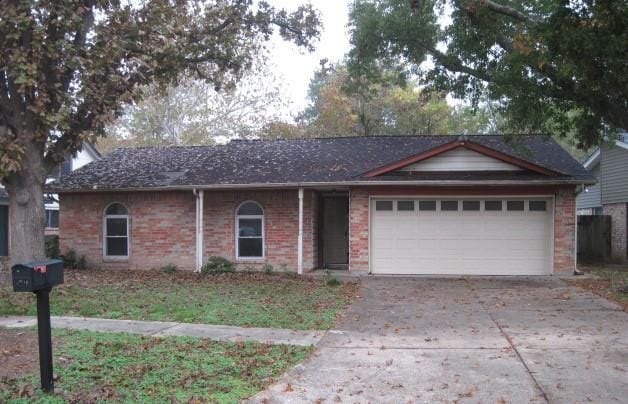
(169, 268)
(81, 262)
(331, 280)
(268, 268)
(217, 265)
(73, 261)
(52, 247)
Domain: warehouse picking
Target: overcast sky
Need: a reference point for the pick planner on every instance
(295, 67)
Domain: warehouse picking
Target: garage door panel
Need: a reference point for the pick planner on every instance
(461, 242)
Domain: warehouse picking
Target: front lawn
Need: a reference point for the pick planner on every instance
(239, 299)
(97, 367)
(608, 281)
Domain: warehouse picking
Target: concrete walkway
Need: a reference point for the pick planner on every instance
(166, 328)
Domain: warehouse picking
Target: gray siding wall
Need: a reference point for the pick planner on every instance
(593, 197)
(614, 174)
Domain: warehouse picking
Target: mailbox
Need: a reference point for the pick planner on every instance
(36, 276)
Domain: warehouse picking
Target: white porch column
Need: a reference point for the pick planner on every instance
(300, 238)
(199, 229)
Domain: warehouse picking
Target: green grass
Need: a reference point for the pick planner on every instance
(129, 368)
(241, 299)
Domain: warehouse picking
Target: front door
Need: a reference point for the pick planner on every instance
(336, 232)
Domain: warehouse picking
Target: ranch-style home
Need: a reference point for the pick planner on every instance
(441, 205)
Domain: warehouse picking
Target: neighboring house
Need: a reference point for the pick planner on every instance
(467, 205)
(85, 156)
(609, 196)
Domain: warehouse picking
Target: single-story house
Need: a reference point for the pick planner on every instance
(609, 196)
(461, 205)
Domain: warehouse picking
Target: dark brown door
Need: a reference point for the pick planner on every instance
(336, 232)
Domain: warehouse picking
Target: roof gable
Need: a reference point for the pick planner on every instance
(460, 159)
(451, 157)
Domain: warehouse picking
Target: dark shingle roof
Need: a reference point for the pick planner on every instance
(298, 161)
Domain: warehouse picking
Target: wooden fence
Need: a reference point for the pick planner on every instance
(594, 238)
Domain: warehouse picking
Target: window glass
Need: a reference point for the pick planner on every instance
(427, 205)
(116, 227)
(117, 246)
(52, 218)
(515, 205)
(250, 247)
(470, 205)
(250, 228)
(405, 205)
(116, 209)
(449, 205)
(250, 209)
(383, 205)
(538, 206)
(493, 205)
(250, 231)
(116, 235)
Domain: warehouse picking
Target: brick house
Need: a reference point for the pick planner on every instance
(387, 205)
(609, 196)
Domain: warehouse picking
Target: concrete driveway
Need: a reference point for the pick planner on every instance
(477, 340)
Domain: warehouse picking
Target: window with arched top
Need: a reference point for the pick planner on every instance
(116, 231)
(250, 231)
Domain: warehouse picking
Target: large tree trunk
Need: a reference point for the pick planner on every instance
(26, 208)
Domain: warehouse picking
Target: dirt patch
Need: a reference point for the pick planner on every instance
(18, 353)
(607, 281)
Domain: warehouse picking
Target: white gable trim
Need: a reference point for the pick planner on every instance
(461, 159)
(592, 160)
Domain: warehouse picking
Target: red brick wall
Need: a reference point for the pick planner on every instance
(564, 218)
(358, 230)
(565, 231)
(162, 227)
(281, 226)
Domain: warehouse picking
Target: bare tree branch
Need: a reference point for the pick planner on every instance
(505, 10)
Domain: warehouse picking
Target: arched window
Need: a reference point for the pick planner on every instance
(250, 231)
(116, 229)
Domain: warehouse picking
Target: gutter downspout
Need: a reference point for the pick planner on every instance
(300, 238)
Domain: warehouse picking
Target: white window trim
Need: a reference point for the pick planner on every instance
(104, 232)
(237, 232)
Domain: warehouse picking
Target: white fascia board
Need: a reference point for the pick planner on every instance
(621, 144)
(592, 160)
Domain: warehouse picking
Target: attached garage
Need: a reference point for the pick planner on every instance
(462, 236)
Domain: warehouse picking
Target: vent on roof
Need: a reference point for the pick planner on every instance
(168, 177)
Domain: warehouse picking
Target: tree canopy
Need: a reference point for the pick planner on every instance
(555, 66)
(67, 68)
(194, 113)
(341, 105)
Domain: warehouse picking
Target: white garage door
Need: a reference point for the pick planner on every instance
(510, 236)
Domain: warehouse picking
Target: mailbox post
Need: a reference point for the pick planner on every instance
(39, 278)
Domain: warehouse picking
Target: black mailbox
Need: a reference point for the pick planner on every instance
(36, 276)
